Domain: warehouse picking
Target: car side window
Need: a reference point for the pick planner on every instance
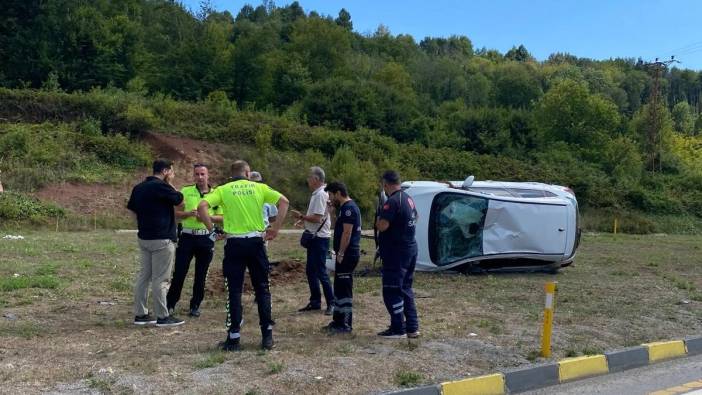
(456, 227)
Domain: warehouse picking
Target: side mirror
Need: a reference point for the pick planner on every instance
(468, 182)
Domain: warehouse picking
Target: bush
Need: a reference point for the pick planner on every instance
(18, 207)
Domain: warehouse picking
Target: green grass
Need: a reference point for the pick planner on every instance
(22, 282)
(406, 378)
(212, 359)
(275, 367)
(25, 330)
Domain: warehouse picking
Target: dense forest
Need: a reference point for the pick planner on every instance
(434, 107)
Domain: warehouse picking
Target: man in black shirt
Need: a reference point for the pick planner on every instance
(396, 222)
(153, 201)
(347, 246)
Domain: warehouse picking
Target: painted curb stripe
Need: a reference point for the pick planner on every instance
(627, 358)
(574, 368)
(693, 345)
(659, 351)
(492, 384)
(533, 377)
(427, 390)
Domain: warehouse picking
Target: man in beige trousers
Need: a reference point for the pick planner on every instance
(153, 201)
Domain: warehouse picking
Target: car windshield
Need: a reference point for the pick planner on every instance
(456, 227)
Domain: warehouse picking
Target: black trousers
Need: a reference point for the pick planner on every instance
(343, 290)
(240, 254)
(189, 246)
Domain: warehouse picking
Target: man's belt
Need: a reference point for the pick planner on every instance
(244, 235)
(196, 232)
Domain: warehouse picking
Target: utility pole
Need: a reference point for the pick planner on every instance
(653, 135)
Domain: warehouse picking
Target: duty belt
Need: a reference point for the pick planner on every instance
(244, 235)
(196, 232)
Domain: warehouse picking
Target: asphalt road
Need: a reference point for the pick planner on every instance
(644, 380)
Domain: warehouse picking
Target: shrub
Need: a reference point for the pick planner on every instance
(17, 206)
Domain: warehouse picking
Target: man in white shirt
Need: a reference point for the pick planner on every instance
(316, 237)
(270, 211)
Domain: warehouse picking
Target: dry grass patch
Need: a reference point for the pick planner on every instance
(78, 336)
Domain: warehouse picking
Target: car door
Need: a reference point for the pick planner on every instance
(525, 228)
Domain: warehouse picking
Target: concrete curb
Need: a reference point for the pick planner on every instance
(568, 369)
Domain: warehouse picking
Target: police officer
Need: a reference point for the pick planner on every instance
(242, 202)
(347, 246)
(194, 241)
(398, 249)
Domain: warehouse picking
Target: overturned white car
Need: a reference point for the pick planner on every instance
(482, 225)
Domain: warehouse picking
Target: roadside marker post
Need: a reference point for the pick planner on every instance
(616, 225)
(550, 288)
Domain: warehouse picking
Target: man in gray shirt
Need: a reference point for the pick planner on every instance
(316, 236)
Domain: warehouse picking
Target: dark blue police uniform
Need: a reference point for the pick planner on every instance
(398, 250)
(348, 213)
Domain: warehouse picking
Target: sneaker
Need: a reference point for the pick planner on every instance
(309, 307)
(329, 310)
(195, 312)
(391, 334)
(144, 319)
(267, 339)
(169, 322)
(230, 344)
(413, 335)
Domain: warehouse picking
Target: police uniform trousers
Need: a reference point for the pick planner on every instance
(398, 296)
(202, 248)
(343, 289)
(240, 254)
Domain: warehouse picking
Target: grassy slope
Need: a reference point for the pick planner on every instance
(623, 290)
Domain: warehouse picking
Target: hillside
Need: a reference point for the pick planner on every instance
(67, 149)
(85, 85)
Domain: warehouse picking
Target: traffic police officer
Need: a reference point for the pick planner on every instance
(347, 246)
(195, 240)
(396, 223)
(242, 202)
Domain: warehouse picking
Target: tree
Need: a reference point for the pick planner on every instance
(516, 86)
(519, 54)
(344, 20)
(683, 119)
(569, 113)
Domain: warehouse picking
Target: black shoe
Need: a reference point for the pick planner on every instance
(194, 312)
(144, 319)
(340, 330)
(391, 334)
(267, 339)
(169, 322)
(230, 344)
(414, 334)
(309, 307)
(329, 310)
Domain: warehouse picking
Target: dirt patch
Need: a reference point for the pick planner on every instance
(282, 273)
(185, 152)
(88, 198)
(111, 199)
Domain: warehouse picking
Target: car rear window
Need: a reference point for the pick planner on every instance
(456, 227)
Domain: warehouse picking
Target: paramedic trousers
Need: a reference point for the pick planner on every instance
(343, 290)
(398, 296)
